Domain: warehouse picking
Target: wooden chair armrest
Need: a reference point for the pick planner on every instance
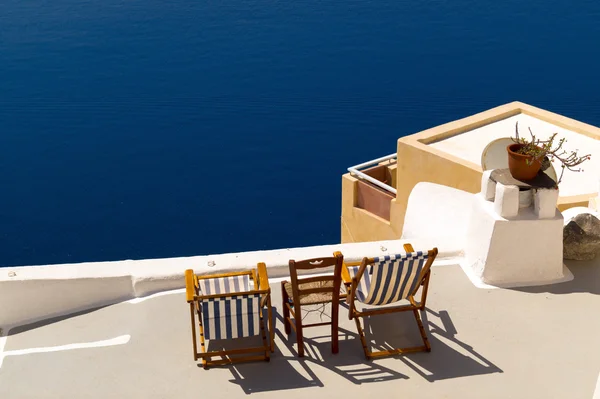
(345, 275)
(352, 263)
(189, 285)
(263, 277)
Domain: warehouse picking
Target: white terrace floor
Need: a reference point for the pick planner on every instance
(540, 342)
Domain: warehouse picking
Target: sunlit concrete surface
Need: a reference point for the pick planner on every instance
(539, 342)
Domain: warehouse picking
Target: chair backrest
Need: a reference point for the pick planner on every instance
(225, 284)
(229, 308)
(325, 284)
(232, 316)
(392, 278)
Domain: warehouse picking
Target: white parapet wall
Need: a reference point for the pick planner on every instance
(32, 293)
(439, 213)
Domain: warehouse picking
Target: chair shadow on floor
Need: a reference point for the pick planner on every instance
(449, 357)
(287, 371)
(349, 363)
(278, 374)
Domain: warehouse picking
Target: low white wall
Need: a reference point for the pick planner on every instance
(32, 293)
(517, 252)
(438, 212)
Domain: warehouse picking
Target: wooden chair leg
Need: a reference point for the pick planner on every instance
(194, 343)
(286, 311)
(334, 329)
(202, 344)
(271, 326)
(264, 337)
(363, 340)
(425, 289)
(299, 335)
(422, 331)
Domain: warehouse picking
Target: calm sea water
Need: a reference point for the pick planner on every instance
(140, 128)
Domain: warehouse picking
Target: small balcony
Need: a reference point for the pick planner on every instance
(376, 185)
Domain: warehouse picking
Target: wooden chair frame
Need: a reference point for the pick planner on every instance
(295, 311)
(414, 306)
(193, 297)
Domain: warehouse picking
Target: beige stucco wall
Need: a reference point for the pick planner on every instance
(394, 172)
(419, 162)
(358, 225)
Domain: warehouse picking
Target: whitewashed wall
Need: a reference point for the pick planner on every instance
(32, 293)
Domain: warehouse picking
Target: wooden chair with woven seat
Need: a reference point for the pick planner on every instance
(314, 290)
(387, 280)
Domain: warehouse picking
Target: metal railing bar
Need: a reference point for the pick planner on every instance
(354, 170)
(372, 162)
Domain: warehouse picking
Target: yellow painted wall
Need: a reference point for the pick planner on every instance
(358, 225)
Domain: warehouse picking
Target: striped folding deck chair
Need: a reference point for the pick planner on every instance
(387, 280)
(224, 307)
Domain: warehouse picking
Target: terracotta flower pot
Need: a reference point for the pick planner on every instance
(518, 163)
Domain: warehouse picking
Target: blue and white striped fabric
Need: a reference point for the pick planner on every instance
(224, 285)
(231, 317)
(389, 279)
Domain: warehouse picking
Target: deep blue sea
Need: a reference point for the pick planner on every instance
(137, 129)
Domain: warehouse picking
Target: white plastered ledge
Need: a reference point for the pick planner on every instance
(437, 213)
(32, 293)
(470, 145)
(498, 253)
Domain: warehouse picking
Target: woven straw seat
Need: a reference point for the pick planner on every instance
(311, 299)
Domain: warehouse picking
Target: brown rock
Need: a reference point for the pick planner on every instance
(581, 237)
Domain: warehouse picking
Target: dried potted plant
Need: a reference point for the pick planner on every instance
(525, 157)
